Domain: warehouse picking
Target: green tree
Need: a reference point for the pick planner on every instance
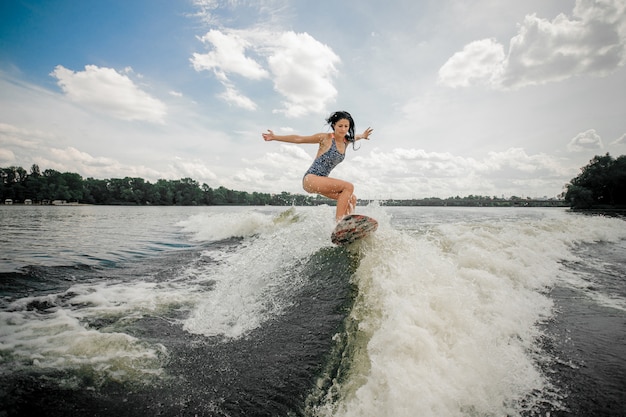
(96, 191)
(35, 184)
(74, 184)
(601, 183)
(55, 187)
(166, 196)
(617, 181)
(207, 194)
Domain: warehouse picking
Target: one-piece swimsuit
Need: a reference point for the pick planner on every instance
(327, 161)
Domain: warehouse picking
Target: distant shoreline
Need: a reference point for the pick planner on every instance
(427, 202)
(384, 203)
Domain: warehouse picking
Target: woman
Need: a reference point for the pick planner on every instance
(332, 150)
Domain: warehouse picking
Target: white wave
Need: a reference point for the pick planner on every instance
(448, 317)
(254, 283)
(59, 335)
(598, 275)
(238, 222)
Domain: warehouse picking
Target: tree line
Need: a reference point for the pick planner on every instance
(45, 187)
(477, 201)
(601, 184)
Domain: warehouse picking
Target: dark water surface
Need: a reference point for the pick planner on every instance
(176, 311)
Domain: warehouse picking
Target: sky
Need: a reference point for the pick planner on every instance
(490, 97)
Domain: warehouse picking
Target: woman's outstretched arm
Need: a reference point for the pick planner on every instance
(317, 138)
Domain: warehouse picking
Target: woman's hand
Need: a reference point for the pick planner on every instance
(366, 134)
(268, 136)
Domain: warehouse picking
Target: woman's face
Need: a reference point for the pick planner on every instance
(341, 127)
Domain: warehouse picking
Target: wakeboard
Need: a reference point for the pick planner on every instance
(352, 228)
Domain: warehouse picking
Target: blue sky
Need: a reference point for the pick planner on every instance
(490, 98)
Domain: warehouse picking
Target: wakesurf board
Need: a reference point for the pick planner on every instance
(352, 228)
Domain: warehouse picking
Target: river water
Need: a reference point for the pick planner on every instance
(251, 311)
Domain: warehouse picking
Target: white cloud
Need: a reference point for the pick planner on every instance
(584, 141)
(437, 164)
(74, 156)
(291, 159)
(71, 159)
(301, 68)
(205, 10)
(194, 169)
(111, 92)
(24, 147)
(228, 55)
(7, 157)
(517, 163)
(296, 152)
(620, 141)
(248, 176)
(478, 63)
(17, 137)
(233, 96)
(282, 169)
(590, 42)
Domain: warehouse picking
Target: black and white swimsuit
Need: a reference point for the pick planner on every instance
(327, 161)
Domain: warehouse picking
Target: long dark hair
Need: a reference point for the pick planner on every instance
(338, 115)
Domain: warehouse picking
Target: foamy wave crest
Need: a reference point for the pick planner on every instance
(84, 328)
(237, 223)
(446, 322)
(256, 282)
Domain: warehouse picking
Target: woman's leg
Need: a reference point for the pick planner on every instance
(351, 204)
(339, 190)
